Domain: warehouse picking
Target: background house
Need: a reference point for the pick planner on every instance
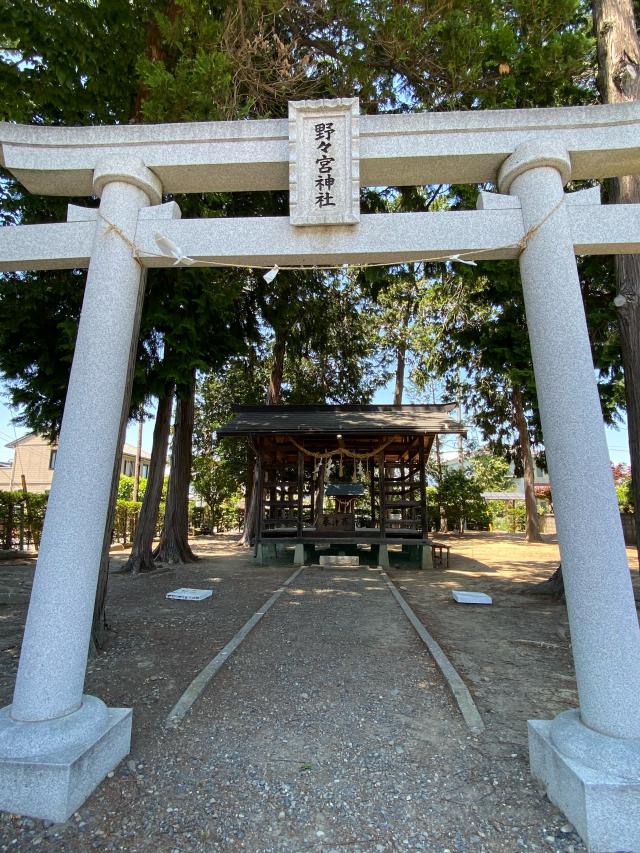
(5, 475)
(35, 457)
(450, 461)
(541, 478)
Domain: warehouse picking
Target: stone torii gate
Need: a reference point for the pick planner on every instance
(56, 744)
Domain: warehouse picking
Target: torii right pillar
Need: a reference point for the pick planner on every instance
(588, 759)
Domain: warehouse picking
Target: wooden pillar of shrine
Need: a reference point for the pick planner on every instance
(372, 491)
(383, 496)
(424, 519)
(259, 502)
(300, 513)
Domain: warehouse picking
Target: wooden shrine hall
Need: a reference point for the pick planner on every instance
(343, 475)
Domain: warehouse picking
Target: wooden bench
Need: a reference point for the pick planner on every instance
(440, 555)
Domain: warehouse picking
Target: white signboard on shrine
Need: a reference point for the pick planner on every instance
(324, 162)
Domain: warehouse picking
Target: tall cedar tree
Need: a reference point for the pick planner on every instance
(141, 557)
(174, 540)
(619, 83)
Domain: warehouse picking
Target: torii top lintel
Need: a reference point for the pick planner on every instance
(420, 148)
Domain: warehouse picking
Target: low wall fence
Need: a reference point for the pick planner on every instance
(629, 528)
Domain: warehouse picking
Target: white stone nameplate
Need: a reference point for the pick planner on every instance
(324, 162)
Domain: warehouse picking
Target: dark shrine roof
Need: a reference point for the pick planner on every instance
(344, 420)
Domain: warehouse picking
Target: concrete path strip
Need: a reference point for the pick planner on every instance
(197, 686)
(459, 689)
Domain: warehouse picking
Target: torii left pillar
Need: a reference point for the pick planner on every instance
(56, 744)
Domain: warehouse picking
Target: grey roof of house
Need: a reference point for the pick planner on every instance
(503, 496)
(127, 449)
(342, 420)
(131, 450)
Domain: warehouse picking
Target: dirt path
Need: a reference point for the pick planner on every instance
(516, 654)
(315, 721)
(331, 728)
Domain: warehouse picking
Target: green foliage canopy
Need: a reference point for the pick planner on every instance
(460, 496)
(491, 473)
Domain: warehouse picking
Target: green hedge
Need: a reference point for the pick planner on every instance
(25, 512)
(126, 520)
(21, 512)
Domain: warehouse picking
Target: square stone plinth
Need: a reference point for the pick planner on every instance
(52, 786)
(604, 808)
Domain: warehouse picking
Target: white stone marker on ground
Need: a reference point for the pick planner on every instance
(56, 745)
(589, 759)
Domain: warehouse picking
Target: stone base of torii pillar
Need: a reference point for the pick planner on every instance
(51, 776)
(594, 779)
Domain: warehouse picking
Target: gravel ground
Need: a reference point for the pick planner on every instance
(331, 728)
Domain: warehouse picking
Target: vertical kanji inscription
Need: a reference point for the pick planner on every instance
(323, 162)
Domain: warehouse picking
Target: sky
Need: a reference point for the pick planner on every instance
(617, 439)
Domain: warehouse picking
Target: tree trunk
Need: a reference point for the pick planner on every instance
(250, 509)
(141, 557)
(274, 398)
(532, 528)
(444, 524)
(99, 625)
(553, 586)
(629, 323)
(619, 82)
(249, 486)
(136, 472)
(401, 355)
(156, 51)
(174, 540)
